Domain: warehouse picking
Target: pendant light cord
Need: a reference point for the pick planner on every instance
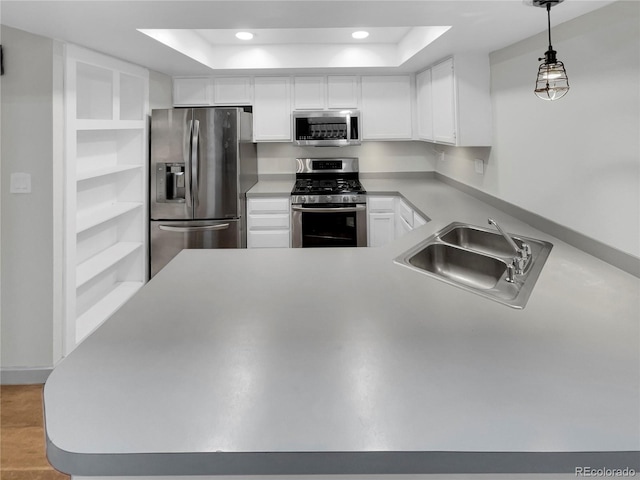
(549, 22)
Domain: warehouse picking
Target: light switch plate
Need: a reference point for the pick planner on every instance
(20, 183)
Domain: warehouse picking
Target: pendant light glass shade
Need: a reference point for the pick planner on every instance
(552, 82)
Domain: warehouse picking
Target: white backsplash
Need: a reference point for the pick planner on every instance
(278, 158)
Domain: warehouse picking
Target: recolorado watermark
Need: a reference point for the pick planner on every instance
(605, 472)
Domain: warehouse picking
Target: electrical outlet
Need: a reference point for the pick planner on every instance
(440, 155)
(20, 183)
(479, 166)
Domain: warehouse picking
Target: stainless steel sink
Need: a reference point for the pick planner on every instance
(479, 260)
(459, 265)
(480, 240)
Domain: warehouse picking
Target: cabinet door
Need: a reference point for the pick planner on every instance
(386, 108)
(381, 228)
(418, 221)
(191, 91)
(424, 105)
(342, 91)
(444, 105)
(272, 109)
(402, 227)
(232, 91)
(309, 93)
(268, 222)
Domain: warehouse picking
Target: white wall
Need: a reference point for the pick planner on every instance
(278, 158)
(575, 161)
(27, 127)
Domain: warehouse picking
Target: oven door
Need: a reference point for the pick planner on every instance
(329, 225)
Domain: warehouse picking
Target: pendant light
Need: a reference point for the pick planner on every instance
(552, 82)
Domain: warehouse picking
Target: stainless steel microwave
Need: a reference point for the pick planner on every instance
(326, 128)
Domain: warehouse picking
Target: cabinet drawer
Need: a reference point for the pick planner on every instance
(381, 204)
(406, 213)
(269, 221)
(268, 239)
(268, 205)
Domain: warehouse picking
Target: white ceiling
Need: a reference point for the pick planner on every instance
(290, 35)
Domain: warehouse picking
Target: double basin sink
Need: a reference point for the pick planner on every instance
(481, 261)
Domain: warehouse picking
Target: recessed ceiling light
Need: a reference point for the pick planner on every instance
(244, 35)
(359, 35)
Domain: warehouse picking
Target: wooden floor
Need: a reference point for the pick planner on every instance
(22, 450)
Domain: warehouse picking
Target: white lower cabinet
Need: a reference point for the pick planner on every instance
(390, 217)
(268, 222)
(381, 228)
(380, 220)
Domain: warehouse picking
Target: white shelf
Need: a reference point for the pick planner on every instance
(98, 313)
(103, 260)
(106, 147)
(102, 171)
(89, 219)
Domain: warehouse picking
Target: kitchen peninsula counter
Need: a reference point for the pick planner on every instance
(339, 361)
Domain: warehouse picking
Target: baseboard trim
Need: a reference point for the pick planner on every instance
(624, 261)
(24, 376)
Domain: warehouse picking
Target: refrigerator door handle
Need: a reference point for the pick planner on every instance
(202, 228)
(187, 161)
(195, 139)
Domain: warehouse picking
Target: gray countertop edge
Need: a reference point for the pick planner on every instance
(619, 259)
(335, 463)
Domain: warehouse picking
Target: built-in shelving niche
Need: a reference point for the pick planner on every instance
(106, 189)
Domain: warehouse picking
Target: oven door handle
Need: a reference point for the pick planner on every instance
(357, 208)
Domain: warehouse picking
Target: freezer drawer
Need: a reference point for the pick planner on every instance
(168, 238)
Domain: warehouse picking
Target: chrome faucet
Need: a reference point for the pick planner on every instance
(522, 254)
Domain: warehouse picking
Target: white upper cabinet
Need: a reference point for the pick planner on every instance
(343, 91)
(386, 107)
(425, 107)
(443, 102)
(208, 91)
(272, 109)
(325, 92)
(189, 92)
(232, 91)
(453, 102)
(309, 93)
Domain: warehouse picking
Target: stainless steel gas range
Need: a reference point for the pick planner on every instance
(328, 204)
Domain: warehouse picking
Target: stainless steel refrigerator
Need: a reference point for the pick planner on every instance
(203, 161)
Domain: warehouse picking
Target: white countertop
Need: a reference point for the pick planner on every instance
(281, 360)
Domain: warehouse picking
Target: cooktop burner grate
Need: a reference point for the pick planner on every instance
(327, 186)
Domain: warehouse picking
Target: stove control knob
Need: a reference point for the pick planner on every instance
(328, 198)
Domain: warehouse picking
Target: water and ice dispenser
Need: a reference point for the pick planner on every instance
(170, 182)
